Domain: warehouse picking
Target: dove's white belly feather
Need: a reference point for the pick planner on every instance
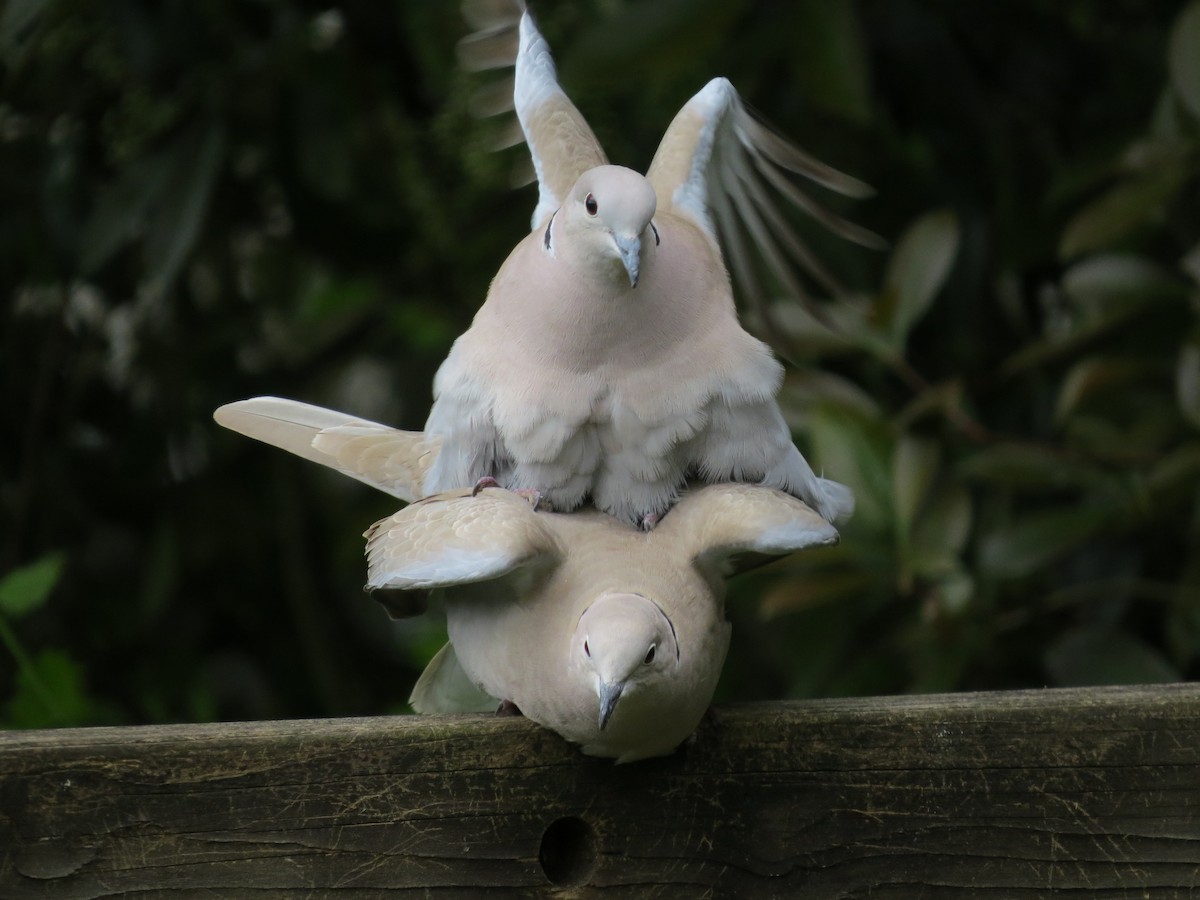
(577, 388)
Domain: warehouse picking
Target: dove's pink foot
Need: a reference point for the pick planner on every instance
(508, 708)
(533, 497)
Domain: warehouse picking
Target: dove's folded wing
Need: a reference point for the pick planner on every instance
(386, 458)
(730, 528)
(456, 538)
(731, 175)
(445, 688)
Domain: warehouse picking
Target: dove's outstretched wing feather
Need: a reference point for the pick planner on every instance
(455, 539)
(386, 458)
(732, 176)
(731, 528)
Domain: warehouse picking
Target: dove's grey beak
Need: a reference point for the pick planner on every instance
(610, 693)
(630, 249)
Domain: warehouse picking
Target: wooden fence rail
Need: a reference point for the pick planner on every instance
(1092, 792)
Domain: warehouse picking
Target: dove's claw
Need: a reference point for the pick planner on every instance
(533, 497)
(487, 481)
(648, 521)
(508, 708)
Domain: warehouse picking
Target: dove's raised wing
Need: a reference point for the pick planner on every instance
(729, 173)
(560, 141)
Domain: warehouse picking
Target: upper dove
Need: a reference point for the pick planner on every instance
(607, 360)
(611, 637)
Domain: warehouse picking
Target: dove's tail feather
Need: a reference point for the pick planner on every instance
(833, 501)
(839, 500)
(445, 688)
(386, 458)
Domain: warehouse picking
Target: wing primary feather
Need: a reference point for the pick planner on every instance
(753, 132)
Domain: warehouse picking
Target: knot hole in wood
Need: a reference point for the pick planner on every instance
(568, 851)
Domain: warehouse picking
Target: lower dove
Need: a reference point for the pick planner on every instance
(611, 637)
(607, 360)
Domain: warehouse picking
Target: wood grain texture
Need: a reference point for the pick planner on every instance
(1090, 792)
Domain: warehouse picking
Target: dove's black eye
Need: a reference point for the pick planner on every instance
(591, 205)
(587, 650)
(649, 655)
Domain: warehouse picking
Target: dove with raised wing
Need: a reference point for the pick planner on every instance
(607, 361)
(611, 637)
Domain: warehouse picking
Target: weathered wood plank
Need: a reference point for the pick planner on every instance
(1012, 795)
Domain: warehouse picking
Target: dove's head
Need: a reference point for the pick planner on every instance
(610, 212)
(623, 643)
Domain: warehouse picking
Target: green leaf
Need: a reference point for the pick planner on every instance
(1183, 57)
(1116, 213)
(25, 589)
(1124, 280)
(941, 532)
(19, 20)
(1024, 466)
(1032, 543)
(175, 222)
(917, 270)
(1096, 376)
(50, 694)
(831, 59)
(914, 464)
(1095, 655)
(855, 451)
(1187, 381)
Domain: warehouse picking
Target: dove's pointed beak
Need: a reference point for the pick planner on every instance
(610, 693)
(630, 249)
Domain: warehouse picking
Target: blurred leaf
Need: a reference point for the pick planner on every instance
(1092, 655)
(811, 588)
(953, 591)
(161, 199)
(177, 217)
(1183, 57)
(119, 212)
(1174, 477)
(847, 329)
(1037, 539)
(914, 465)
(943, 400)
(329, 298)
(1122, 280)
(26, 589)
(1113, 215)
(1190, 263)
(855, 451)
(1026, 466)
(831, 60)
(941, 533)
(1092, 376)
(18, 21)
(50, 694)
(805, 388)
(1187, 381)
(917, 270)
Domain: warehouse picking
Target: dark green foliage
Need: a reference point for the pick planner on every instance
(208, 201)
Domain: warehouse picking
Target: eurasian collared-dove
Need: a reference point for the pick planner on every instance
(607, 360)
(611, 637)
